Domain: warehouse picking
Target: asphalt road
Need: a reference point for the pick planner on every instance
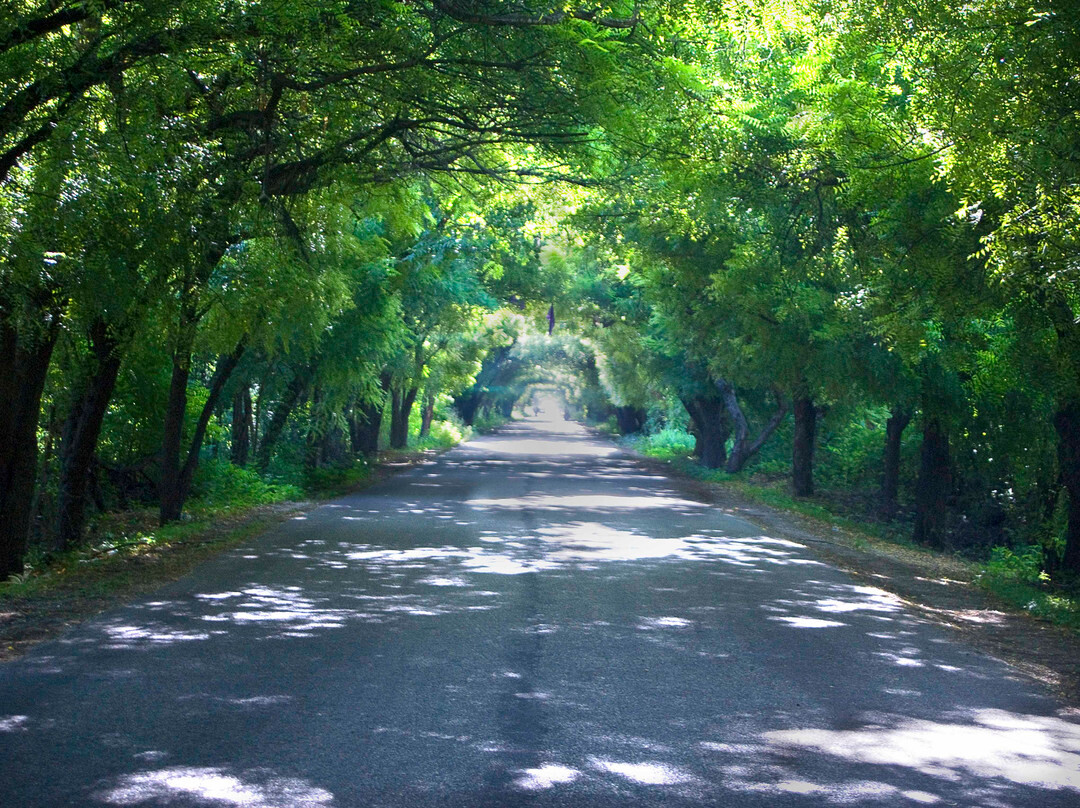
(533, 619)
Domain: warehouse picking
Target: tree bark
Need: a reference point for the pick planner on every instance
(366, 428)
(899, 418)
(710, 429)
(802, 452)
(401, 404)
(630, 419)
(82, 429)
(468, 403)
(169, 487)
(176, 479)
(743, 448)
(934, 485)
(427, 416)
(243, 425)
(1067, 425)
(293, 394)
(24, 366)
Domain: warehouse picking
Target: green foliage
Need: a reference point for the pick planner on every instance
(1018, 578)
(221, 485)
(1023, 564)
(445, 435)
(488, 421)
(333, 481)
(668, 443)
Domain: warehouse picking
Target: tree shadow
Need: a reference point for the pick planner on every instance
(555, 629)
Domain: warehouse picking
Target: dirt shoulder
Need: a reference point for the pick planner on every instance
(938, 587)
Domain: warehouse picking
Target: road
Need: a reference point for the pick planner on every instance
(533, 619)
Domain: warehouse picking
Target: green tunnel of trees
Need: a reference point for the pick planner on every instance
(830, 244)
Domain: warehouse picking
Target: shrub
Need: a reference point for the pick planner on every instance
(1025, 564)
(220, 484)
(668, 442)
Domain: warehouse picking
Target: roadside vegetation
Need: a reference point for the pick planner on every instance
(1014, 575)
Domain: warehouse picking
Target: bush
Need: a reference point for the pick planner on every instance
(336, 480)
(668, 442)
(445, 434)
(220, 484)
(488, 420)
(1024, 565)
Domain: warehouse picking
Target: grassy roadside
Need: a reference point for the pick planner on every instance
(1015, 579)
(130, 555)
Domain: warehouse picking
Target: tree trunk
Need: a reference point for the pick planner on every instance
(743, 448)
(468, 403)
(629, 419)
(802, 454)
(176, 479)
(427, 416)
(23, 370)
(243, 425)
(934, 485)
(1067, 425)
(899, 418)
(169, 488)
(366, 428)
(401, 405)
(710, 429)
(82, 429)
(293, 394)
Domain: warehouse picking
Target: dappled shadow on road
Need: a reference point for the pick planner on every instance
(557, 626)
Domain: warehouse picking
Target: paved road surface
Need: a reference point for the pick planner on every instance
(532, 620)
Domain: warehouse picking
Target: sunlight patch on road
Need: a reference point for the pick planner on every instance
(14, 723)
(126, 636)
(214, 785)
(582, 502)
(654, 623)
(650, 774)
(545, 776)
(1041, 751)
(808, 622)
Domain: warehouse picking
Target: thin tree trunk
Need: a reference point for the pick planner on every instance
(82, 430)
(401, 406)
(743, 448)
(934, 485)
(176, 479)
(368, 426)
(427, 416)
(1067, 425)
(293, 393)
(23, 370)
(242, 425)
(38, 503)
(802, 454)
(890, 478)
(364, 427)
(226, 364)
(176, 408)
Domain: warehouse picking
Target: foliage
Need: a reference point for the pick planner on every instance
(221, 484)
